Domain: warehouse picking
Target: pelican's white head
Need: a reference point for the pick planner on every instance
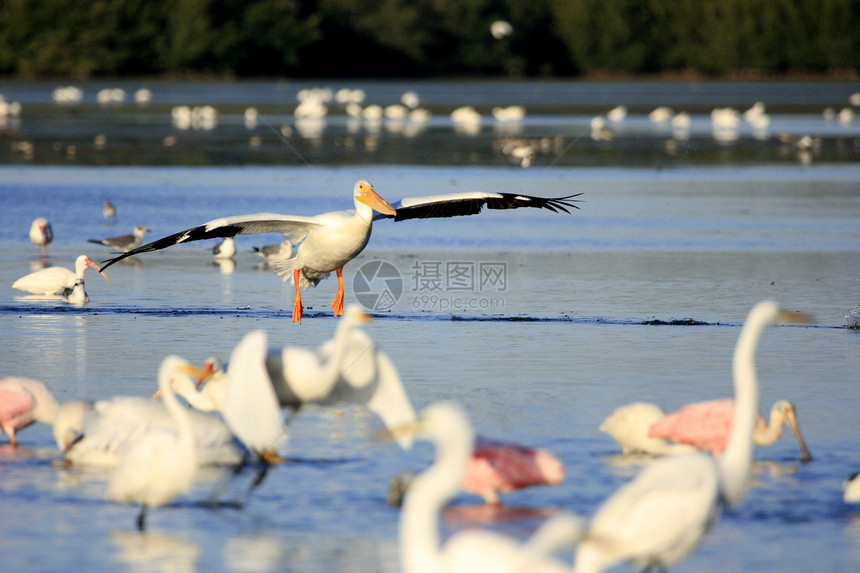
(363, 192)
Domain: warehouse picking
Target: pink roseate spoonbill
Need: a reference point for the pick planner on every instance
(24, 401)
(56, 280)
(448, 427)
(161, 464)
(330, 240)
(706, 426)
(495, 467)
(41, 234)
(661, 516)
(124, 243)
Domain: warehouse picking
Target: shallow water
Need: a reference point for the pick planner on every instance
(586, 312)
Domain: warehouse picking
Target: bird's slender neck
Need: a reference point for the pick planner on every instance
(427, 495)
(177, 411)
(736, 461)
(766, 435)
(200, 400)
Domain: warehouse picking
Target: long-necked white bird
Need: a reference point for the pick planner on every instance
(56, 280)
(41, 234)
(348, 369)
(331, 240)
(642, 427)
(661, 516)
(448, 427)
(96, 434)
(161, 464)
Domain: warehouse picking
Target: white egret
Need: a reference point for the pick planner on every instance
(161, 464)
(661, 516)
(421, 551)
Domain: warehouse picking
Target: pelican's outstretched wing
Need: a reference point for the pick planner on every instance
(471, 203)
(293, 227)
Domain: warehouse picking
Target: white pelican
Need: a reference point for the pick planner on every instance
(124, 242)
(448, 427)
(644, 428)
(56, 280)
(24, 401)
(331, 240)
(41, 234)
(661, 516)
(161, 464)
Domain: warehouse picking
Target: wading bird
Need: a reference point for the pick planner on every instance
(661, 516)
(56, 280)
(331, 240)
(644, 428)
(495, 467)
(161, 464)
(448, 427)
(41, 234)
(22, 402)
(123, 242)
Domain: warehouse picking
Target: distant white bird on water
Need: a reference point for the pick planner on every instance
(224, 249)
(851, 488)
(330, 240)
(661, 516)
(160, 465)
(56, 280)
(108, 209)
(421, 551)
(277, 252)
(41, 235)
(124, 242)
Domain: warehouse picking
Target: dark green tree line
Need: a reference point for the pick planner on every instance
(347, 38)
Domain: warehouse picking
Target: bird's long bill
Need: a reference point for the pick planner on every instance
(370, 198)
(202, 375)
(791, 420)
(794, 317)
(193, 371)
(96, 267)
(404, 431)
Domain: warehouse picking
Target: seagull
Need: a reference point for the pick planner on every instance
(225, 249)
(330, 240)
(277, 252)
(41, 234)
(124, 242)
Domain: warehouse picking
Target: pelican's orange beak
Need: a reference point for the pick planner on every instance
(369, 197)
(94, 266)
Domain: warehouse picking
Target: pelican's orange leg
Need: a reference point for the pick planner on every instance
(297, 302)
(337, 305)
